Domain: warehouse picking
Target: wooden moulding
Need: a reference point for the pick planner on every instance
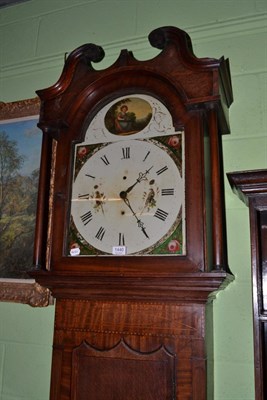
(19, 109)
(248, 184)
(24, 292)
(187, 288)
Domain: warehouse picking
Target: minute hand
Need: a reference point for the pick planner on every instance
(139, 222)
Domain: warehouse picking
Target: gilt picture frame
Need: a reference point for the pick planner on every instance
(20, 149)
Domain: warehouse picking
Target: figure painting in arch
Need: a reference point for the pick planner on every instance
(128, 116)
(122, 121)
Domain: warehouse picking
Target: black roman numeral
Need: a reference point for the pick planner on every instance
(167, 192)
(100, 234)
(90, 176)
(163, 169)
(87, 217)
(84, 196)
(125, 153)
(147, 154)
(105, 160)
(160, 214)
(121, 239)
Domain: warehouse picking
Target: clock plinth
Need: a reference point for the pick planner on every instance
(130, 233)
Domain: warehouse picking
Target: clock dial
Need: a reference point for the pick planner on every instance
(126, 194)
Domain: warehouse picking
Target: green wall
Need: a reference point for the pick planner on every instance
(34, 36)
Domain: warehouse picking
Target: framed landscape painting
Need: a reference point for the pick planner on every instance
(20, 149)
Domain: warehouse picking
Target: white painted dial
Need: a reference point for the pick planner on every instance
(128, 193)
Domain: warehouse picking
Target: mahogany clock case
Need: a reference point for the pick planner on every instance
(133, 326)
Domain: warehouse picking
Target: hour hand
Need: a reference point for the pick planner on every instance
(141, 177)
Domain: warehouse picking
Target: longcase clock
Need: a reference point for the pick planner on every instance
(130, 232)
(251, 188)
